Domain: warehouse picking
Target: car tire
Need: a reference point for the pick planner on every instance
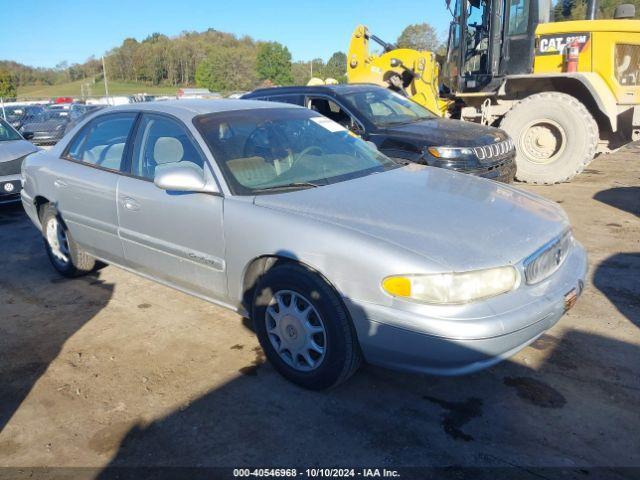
(286, 332)
(555, 137)
(64, 253)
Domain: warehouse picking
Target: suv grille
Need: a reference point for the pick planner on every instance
(546, 260)
(489, 153)
(12, 167)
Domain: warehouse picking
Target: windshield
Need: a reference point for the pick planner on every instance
(383, 107)
(277, 149)
(7, 133)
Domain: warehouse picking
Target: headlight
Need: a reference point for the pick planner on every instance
(452, 288)
(449, 152)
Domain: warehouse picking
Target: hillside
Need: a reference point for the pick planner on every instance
(75, 89)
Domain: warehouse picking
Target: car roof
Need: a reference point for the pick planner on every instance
(335, 89)
(187, 109)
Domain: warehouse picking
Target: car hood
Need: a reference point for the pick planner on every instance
(445, 132)
(15, 149)
(458, 221)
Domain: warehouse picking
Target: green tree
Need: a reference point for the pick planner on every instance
(337, 67)
(273, 63)
(8, 87)
(420, 36)
(227, 70)
(301, 73)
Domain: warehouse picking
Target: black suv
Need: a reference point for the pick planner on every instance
(404, 130)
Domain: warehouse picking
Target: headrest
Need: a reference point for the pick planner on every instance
(167, 150)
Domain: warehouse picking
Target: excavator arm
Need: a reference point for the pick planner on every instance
(409, 72)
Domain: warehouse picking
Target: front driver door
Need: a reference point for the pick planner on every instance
(175, 237)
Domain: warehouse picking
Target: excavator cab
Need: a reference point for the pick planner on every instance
(489, 39)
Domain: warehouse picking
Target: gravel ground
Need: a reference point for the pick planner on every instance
(112, 369)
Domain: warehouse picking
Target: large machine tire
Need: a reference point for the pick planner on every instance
(555, 137)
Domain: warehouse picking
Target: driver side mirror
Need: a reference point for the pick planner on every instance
(27, 135)
(182, 177)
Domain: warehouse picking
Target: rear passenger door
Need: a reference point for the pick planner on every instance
(86, 183)
(174, 237)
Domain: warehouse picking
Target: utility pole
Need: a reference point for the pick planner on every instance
(106, 87)
(4, 115)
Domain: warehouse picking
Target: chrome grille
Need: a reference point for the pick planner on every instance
(546, 260)
(487, 153)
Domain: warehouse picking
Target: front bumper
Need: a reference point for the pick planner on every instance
(405, 340)
(10, 187)
(503, 172)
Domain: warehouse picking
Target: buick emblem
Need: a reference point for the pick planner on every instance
(291, 331)
(8, 187)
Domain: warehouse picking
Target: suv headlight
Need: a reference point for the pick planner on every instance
(452, 288)
(449, 152)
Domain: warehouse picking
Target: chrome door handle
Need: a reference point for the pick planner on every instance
(130, 204)
(59, 183)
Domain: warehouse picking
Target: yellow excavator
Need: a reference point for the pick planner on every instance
(564, 91)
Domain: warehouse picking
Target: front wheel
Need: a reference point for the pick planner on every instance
(64, 253)
(303, 328)
(555, 137)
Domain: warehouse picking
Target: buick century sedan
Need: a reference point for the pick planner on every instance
(336, 252)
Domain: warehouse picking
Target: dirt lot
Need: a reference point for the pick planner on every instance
(116, 370)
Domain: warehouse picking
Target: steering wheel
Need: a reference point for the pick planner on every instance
(251, 148)
(306, 151)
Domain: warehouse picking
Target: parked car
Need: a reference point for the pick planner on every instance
(404, 130)
(18, 115)
(47, 127)
(78, 113)
(333, 249)
(13, 150)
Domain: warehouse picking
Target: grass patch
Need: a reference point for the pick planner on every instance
(75, 89)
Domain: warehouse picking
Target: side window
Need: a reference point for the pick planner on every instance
(332, 110)
(292, 99)
(518, 17)
(159, 141)
(102, 142)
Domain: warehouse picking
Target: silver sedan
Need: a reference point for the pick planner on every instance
(336, 252)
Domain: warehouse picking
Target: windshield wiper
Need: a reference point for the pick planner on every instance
(287, 186)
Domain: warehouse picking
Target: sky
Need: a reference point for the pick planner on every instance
(43, 33)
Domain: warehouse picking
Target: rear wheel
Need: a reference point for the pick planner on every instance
(303, 328)
(64, 253)
(555, 137)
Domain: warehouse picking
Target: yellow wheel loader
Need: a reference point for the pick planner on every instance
(563, 90)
